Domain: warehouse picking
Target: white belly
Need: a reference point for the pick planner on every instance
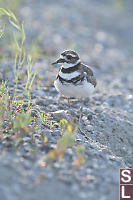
(76, 91)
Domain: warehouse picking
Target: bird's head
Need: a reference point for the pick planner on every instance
(68, 58)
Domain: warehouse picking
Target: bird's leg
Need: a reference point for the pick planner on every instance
(69, 105)
(80, 111)
(58, 100)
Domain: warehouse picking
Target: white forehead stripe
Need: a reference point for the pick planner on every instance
(74, 56)
(68, 76)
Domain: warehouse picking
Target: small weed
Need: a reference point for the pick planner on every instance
(4, 102)
(19, 120)
(44, 119)
(20, 55)
(2, 31)
(80, 155)
(67, 141)
(22, 121)
(69, 131)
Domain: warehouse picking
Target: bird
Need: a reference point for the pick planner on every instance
(74, 79)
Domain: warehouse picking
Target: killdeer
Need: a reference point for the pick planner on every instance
(74, 79)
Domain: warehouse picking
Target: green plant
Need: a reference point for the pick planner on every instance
(12, 109)
(80, 155)
(67, 140)
(20, 55)
(69, 132)
(2, 31)
(22, 121)
(4, 101)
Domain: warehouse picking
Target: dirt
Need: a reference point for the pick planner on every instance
(101, 32)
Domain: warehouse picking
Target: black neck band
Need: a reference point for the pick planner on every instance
(70, 69)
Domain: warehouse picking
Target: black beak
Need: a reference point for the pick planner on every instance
(60, 60)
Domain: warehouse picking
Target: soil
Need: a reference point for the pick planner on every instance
(101, 32)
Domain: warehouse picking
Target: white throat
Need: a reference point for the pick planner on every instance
(68, 65)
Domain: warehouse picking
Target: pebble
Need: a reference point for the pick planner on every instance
(27, 146)
(55, 133)
(89, 128)
(69, 151)
(87, 111)
(45, 102)
(84, 118)
(34, 113)
(26, 139)
(48, 133)
(89, 117)
(38, 141)
(60, 114)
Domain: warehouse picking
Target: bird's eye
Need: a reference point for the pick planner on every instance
(69, 57)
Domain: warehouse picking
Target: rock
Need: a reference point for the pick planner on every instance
(26, 139)
(84, 118)
(55, 133)
(87, 111)
(89, 117)
(45, 102)
(34, 113)
(60, 114)
(89, 128)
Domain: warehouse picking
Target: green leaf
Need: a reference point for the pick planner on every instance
(23, 34)
(32, 80)
(13, 24)
(4, 12)
(13, 16)
(2, 31)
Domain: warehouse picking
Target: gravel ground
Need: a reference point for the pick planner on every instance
(101, 32)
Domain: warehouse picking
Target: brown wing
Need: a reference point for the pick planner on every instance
(89, 74)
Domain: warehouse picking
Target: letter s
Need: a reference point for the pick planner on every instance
(126, 173)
